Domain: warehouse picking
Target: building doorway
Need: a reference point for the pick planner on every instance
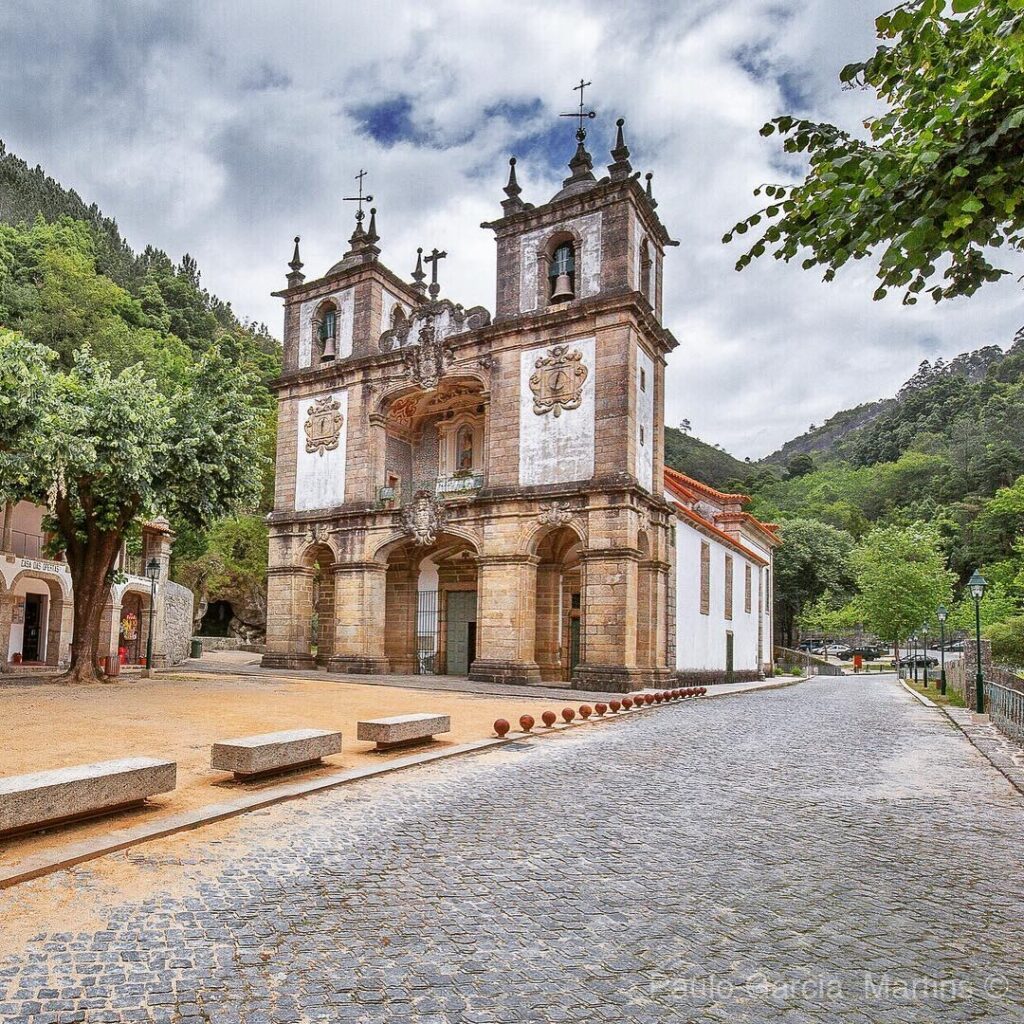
(461, 631)
(33, 647)
(729, 670)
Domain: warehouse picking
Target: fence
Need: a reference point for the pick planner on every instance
(1006, 709)
(812, 666)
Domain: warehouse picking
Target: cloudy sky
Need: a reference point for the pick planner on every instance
(225, 128)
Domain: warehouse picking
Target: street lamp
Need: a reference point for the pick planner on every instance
(924, 645)
(942, 613)
(152, 574)
(913, 656)
(977, 584)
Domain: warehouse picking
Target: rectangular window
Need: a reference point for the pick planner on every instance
(705, 578)
(643, 379)
(748, 587)
(728, 586)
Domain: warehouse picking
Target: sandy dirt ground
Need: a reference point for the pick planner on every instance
(178, 716)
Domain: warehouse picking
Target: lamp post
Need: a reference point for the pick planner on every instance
(913, 657)
(924, 648)
(152, 574)
(977, 584)
(941, 613)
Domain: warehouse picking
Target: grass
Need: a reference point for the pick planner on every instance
(952, 698)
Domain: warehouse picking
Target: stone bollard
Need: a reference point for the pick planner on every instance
(501, 727)
(568, 714)
(526, 722)
(549, 718)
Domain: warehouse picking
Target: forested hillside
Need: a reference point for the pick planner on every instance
(69, 280)
(699, 459)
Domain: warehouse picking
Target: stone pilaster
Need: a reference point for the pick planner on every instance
(359, 618)
(289, 601)
(506, 620)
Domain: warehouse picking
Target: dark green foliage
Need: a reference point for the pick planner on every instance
(698, 459)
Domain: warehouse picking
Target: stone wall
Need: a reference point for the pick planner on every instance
(177, 602)
(228, 643)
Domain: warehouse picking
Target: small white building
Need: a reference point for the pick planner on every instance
(723, 583)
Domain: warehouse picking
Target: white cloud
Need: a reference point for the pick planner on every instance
(224, 129)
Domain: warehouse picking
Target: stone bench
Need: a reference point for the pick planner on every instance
(42, 799)
(253, 756)
(403, 730)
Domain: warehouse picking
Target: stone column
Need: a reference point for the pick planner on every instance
(399, 624)
(506, 620)
(7, 602)
(289, 617)
(549, 616)
(359, 618)
(609, 598)
(157, 541)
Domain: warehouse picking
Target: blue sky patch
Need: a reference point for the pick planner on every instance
(389, 121)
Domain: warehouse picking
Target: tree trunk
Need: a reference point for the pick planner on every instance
(90, 567)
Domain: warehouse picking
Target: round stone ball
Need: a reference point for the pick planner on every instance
(501, 727)
(586, 711)
(600, 709)
(526, 722)
(614, 705)
(568, 714)
(549, 718)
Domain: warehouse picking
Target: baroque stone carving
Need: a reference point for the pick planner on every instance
(317, 533)
(323, 425)
(558, 382)
(423, 518)
(426, 362)
(557, 513)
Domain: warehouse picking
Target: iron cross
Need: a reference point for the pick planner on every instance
(360, 199)
(432, 259)
(581, 114)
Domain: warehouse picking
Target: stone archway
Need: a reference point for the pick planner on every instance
(430, 607)
(558, 647)
(44, 630)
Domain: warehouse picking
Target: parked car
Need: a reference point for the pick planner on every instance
(837, 650)
(956, 648)
(866, 652)
(809, 646)
(909, 660)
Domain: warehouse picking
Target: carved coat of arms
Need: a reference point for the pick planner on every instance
(557, 513)
(427, 360)
(558, 382)
(323, 425)
(423, 518)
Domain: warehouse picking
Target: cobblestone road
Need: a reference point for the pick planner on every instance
(829, 852)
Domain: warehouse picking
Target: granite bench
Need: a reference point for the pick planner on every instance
(403, 730)
(254, 756)
(43, 799)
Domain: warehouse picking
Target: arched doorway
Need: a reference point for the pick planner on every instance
(558, 647)
(37, 636)
(430, 607)
(319, 592)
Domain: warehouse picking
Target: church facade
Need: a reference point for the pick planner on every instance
(485, 495)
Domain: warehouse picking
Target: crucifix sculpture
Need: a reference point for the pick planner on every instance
(360, 199)
(432, 259)
(581, 114)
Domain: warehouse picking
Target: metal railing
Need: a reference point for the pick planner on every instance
(1006, 709)
(811, 665)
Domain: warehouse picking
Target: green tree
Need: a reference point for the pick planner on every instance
(901, 577)
(1008, 641)
(938, 182)
(101, 449)
(814, 560)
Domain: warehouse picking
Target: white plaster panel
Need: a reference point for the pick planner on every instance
(588, 260)
(556, 449)
(700, 639)
(345, 302)
(387, 309)
(644, 419)
(319, 476)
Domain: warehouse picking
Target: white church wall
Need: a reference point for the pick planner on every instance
(701, 639)
(388, 303)
(588, 265)
(556, 449)
(319, 476)
(345, 302)
(644, 419)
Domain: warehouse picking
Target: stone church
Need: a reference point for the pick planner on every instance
(467, 494)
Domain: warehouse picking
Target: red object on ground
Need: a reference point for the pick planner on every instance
(122, 653)
(677, 693)
(526, 722)
(586, 711)
(549, 718)
(600, 709)
(648, 699)
(614, 705)
(501, 727)
(702, 691)
(627, 702)
(568, 714)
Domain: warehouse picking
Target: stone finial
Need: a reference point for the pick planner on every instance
(581, 165)
(296, 277)
(513, 204)
(650, 193)
(621, 168)
(371, 235)
(418, 276)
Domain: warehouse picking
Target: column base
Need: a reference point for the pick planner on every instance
(615, 678)
(522, 673)
(357, 665)
(284, 659)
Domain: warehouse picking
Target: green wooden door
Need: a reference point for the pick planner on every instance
(460, 634)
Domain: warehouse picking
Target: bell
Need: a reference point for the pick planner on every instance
(563, 288)
(329, 350)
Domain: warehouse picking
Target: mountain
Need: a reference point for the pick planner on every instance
(827, 437)
(699, 459)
